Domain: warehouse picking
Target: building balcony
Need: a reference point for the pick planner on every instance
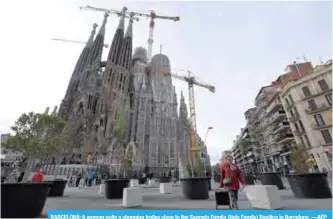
(281, 127)
(277, 117)
(294, 118)
(321, 126)
(274, 107)
(316, 94)
(284, 138)
(285, 150)
(313, 110)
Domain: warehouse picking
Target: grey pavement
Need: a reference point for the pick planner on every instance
(89, 198)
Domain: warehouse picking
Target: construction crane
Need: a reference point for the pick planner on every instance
(191, 81)
(74, 41)
(109, 11)
(152, 17)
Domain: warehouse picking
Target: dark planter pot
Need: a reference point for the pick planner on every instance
(57, 187)
(195, 188)
(249, 180)
(142, 180)
(23, 200)
(114, 188)
(209, 184)
(164, 179)
(310, 185)
(271, 179)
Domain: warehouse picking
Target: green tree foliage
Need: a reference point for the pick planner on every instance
(120, 124)
(35, 135)
(198, 169)
(245, 143)
(299, 159)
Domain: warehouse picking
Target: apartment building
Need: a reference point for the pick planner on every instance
(277, 136)
(245, 147)
(268, 127)
(308, 105)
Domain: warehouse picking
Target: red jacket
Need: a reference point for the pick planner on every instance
(38, 177)
(236, 176)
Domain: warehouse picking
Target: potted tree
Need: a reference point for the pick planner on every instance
(196, 186)
(35, 136)
(245, 144)
(114, 187)
(303, 183)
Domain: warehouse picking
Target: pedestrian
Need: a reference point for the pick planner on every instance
(90, 178)
(70, 183)
(38, 177)
(78, 179)
(230, 177)
(20, 178)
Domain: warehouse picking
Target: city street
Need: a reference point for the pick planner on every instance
(89, 198)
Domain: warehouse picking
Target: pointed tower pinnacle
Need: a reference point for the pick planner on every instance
(46, 112)
(174, 95)
(54, 112)
(82, 61)
(96, 51)
(126, 49)
(117, 39)
(91, 38)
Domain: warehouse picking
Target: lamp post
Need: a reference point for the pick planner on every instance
(209, 128)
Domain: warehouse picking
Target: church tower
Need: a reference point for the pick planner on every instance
(67, 104)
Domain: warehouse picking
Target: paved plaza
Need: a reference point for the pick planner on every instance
(89, 198)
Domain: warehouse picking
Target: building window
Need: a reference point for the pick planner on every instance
(296, 126)
(291, 113)
(307, 141)
(323, 85)
(306, 91)
(301, 125)
(319, 119)
(287, 102)
(329, 98)
(291, 99)
(312, 104)
(327, 136)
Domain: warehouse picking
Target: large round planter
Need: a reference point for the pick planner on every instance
(142, 180)
(310, 185)
(114, 188)
(164, 179)
(23, 200)
(271, 179)
(249, 180)
(57, 187)
(195, 188)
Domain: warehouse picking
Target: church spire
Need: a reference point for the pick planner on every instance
(126, 49)
(68, 101)
(97, 45)
(82, 61)
(117, 39)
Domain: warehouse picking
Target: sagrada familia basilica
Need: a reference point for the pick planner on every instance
(124, 106)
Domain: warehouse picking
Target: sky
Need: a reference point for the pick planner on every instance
(236, 46)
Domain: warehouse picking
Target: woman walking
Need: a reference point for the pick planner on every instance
(230, 177)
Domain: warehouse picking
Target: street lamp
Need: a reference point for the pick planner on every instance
(204, 157)
(209, 128)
